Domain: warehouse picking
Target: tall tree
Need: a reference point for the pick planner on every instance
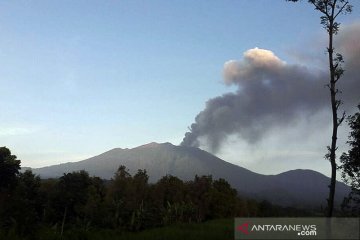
(330, 10)
(118, 195)
(26, 205)
(9, 171)
(350, 164)
(9, 168)
(70, 197)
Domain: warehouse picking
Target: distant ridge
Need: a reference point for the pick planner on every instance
(304, 188)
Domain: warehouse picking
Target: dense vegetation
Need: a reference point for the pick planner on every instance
(76, 203)
(350, 166)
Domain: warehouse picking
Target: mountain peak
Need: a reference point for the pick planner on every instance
(292, 188)
(153, 144)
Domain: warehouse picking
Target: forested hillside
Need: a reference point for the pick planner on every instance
(32, 207)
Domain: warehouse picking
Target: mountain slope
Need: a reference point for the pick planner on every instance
(292, 188)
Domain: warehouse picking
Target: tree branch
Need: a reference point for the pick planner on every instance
(341, 9)
(340, 120)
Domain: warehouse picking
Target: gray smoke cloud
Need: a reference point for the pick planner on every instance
(272, 93)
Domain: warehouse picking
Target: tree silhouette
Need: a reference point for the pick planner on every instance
(9, 168)
(26, 204)
(9, 171)
(119, 196)
(71, 196)
(330, 10)
(350, 164)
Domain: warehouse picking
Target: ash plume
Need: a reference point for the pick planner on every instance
(272, 93)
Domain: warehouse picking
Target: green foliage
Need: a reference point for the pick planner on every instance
(224, 199)
(70, 196)
(27, 204)
(95, 209)
(220, 229)
(9, 169)
(350, 166)
(22, 212)
(77, 206)
(119, 197)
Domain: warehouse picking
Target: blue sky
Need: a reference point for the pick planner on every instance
(82, 77)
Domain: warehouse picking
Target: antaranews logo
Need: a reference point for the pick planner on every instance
(300, 230)
(244, 228)
(297, 228)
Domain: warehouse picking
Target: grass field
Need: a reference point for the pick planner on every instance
(221, 229)
(211, 230)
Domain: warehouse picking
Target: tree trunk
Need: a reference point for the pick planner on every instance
(334, 108)
(63, 222)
